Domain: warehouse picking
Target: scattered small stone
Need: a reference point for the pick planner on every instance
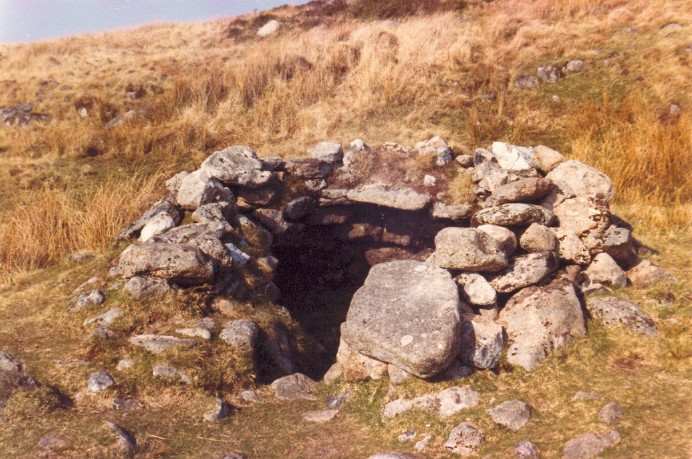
(159, 343)
(222, 410)
(295, 386)
(165, 371)
(107, 318)
(422, 443)
(526, 450)
(407, 435)
(464, 439)
(85, 299)
(590, 445)
(396, 407)
(240, 334)
(53, 442)
(335, 401)
(81, 256)
(464, 160)
(573, 66)
(120, 404)
(100, 381)
(234, 456)
(126, 440)
(526, 82)
(613, 310)
(125, 364)
(549, 74)
(268, 28)
(320, 416)
(611, 412)
(250, 396)
(513, 414)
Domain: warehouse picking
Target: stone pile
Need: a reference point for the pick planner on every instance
(441, 282)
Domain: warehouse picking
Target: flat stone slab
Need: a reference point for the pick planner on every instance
(513, 414)
(295, 386)
(320, 416)
(396, 198)
(467, 249)
(514, 214)
(407, 314)
(590, 445)
(159, 343)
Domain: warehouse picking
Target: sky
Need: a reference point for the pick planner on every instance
(34, 20)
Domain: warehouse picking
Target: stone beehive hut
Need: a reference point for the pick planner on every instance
(407, 261)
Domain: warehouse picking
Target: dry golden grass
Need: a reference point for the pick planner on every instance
(352, 75)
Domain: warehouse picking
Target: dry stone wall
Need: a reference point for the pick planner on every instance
(440, 281)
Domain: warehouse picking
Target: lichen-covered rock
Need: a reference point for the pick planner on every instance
(436, 148)
(647, 273)
(575, 178)
(590, 445)
(617, 242)
(512, 157)
(524, 270)
(199, 188)
(168, 372)
(506, 239)
(140, 287)
(514, 214)
(467, 249)
(539, 238)
(476, 290)
(464, 439)
(237, 165)
(610, 413)
(327, 151)
(540, 319)
(571, 248)
(546, 159)
(241, 334)
(204, 237)
(605, 270)
(549, 74)
(481, 342)
(165, 205)
(183, 264)
(513, 414)
(396, 198)
(100, 381)
(454, 212)
(613, 310)
(406, 313)
(126, 439)
(158, 224)
(525, 190)
(588, 219)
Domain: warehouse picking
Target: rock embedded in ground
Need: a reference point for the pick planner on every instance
(13, 376)
(515, 214)
(526, 82)
(406, 313)
(526, 450)
(250, 396)
(241, 334)
(646, 273)
(476, 290)
(613, 310)
(605, 270)
(464, 439)
(396, 407)
(100, 381)
(53, 442)
(590, 445)
(586, 395)
(513, 414)
(141, 287)
(610, 413)
(126, 439)
(222, 409)
(573, 66)
(195, 332)
(444, 404)
(171, 373)
(237, 165)
(157, 344)
(389, 456)
(320, 416)
(482, 341)
(107, 318)
(179, 263)
(124, 364)
(269, 28)
(549, 74)
(295, 386)
(407, 436)
(540, 319)
(523, 271)
(90, 298)
(467, 249)
(395, 198)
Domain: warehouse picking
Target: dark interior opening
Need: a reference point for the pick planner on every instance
(320, 270)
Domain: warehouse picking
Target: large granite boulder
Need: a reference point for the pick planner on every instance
(237, 165)
(184, 264)
(467, 249)
(407, 314)
(540, 319)
(577, 179)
